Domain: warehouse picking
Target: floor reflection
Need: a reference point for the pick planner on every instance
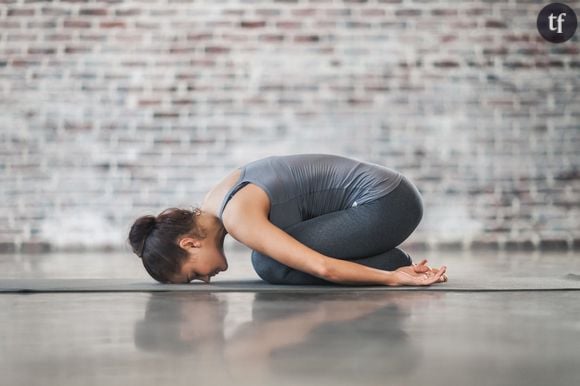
(290, 335)
(181, 323)
(342, 338)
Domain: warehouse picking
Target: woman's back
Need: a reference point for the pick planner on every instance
(303, 186)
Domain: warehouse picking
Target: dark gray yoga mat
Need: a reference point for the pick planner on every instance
(570, 281)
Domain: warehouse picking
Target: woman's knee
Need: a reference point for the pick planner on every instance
(267, 268)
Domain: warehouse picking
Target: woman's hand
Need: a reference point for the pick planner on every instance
(419, 274)
(422, 267)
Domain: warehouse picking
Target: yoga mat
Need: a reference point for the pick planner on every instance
(569, 282)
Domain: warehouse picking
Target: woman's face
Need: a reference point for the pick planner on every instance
(203, 265)
(206, 257)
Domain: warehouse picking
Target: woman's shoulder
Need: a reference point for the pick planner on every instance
(249, 195)
(251, 199)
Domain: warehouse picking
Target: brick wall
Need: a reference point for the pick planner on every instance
(114, 109)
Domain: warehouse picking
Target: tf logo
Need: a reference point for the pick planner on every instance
(557, 22)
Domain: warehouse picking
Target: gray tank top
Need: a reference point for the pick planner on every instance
(303, 186)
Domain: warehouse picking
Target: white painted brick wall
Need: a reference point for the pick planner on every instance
(114, 109)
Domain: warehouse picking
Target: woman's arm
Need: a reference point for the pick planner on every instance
(268, 239)
(249, 225)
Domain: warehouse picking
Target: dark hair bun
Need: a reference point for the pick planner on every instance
(155, 239)
(139, 232)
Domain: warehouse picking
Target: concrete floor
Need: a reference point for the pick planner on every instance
(346, 338)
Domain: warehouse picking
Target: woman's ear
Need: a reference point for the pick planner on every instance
(189, 242)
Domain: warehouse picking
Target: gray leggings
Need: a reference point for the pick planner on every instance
(367, 234)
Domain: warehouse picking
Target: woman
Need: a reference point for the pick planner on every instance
(308, 218)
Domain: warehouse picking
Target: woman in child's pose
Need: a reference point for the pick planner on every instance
(308, 218)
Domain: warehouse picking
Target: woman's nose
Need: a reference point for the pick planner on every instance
(205, 279)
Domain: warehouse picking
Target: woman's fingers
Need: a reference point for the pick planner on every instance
(441, 274)
(421, 267)
(426, 280)
(425, 275)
